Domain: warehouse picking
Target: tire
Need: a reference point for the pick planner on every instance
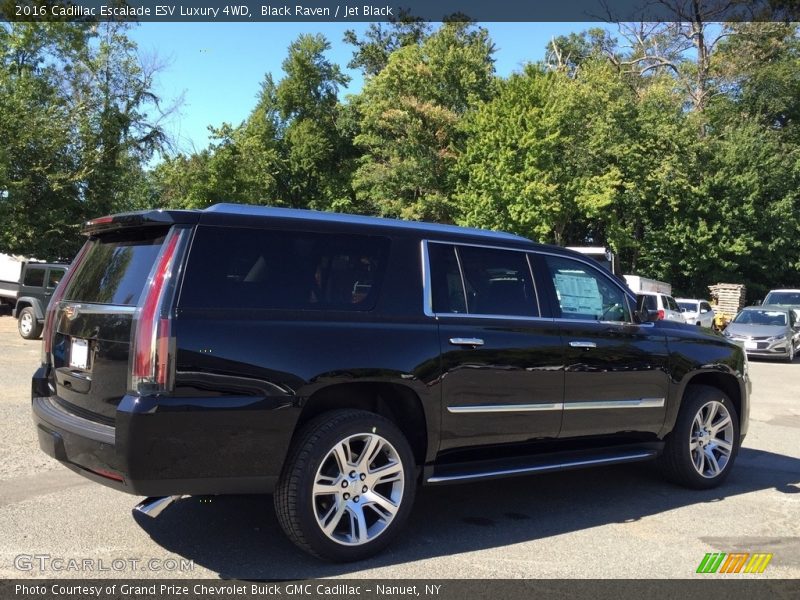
(356, 527)
(790, 355)
(685, 454)
(27, 324)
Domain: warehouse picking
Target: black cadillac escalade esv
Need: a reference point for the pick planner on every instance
(340, 361)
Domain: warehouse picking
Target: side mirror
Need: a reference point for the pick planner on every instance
(643, 314)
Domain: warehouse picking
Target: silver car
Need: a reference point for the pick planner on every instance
(768, 331)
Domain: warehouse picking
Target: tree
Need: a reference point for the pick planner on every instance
(372, 52)
(411, 122)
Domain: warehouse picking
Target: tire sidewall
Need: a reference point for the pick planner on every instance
(32, 334)
(365, 423)
(682, 432)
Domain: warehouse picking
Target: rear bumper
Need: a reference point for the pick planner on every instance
(203, 446)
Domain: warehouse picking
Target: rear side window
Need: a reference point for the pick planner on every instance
(34, 277)
(232, 268)
(115, 269)
(650, 302)
(671, 304)
(482, 281)
(446, 282)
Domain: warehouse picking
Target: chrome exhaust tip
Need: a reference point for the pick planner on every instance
(155, 505)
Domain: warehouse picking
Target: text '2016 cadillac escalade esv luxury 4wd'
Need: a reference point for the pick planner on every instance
(339, 361)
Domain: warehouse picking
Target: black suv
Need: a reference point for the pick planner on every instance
(340, 361)
(37, 284)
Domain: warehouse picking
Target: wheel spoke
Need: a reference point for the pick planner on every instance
(723, 446)
(697, 426)
(721, 424)
(383, 506)
(358, 524)
(710, 415)
(331, 518)
(325, 486)
(343, 456)
(387, 473)
(699, 460)
(711, 460)
(371, 448)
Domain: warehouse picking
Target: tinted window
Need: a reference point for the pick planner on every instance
(785, 298)
(705, 306)
(688, 306)
(650, 301)
(671, 304)
(54, 277)
(34, 277)
(761, 317)
(447, 289)
(253, 268)
(586, 294)
(115, 269)
(498, 282)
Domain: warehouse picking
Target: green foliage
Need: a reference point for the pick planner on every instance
(411, 122)
(78, 121)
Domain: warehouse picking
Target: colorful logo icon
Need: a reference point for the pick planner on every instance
(735, 562)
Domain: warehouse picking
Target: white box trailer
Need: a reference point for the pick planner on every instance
(11, 267)
(643, 284)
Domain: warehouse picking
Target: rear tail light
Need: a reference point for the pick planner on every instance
(52, 309)
(661, 314)
(152, 347)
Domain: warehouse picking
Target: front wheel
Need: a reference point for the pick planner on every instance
(701, 450)
(347, 486)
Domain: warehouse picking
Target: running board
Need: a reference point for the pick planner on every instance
(443, 474)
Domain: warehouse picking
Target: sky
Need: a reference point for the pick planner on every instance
(217, 68)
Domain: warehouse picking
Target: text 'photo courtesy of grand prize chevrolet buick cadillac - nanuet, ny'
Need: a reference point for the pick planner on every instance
(339, 362)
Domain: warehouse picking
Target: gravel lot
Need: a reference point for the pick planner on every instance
(612, 522)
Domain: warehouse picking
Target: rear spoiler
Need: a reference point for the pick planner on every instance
(144, 218)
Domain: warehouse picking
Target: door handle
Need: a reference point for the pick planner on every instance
(466, 341)
(578, 344)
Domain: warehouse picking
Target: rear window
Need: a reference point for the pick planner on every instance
(784, 298)
(650, 302)
(115, 270)
(231, 268)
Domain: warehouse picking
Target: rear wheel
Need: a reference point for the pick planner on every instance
(347, 486)
(701, 450)
(28, 325)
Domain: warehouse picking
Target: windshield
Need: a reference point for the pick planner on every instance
(783, 298)
(688, 306)
(761, 317)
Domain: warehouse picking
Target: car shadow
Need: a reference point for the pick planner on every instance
(239, 537)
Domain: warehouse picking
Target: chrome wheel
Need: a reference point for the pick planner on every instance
(711, 439)
(25, 324)
(358, 489)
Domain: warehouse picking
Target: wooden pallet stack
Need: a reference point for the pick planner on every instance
(729, 297)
